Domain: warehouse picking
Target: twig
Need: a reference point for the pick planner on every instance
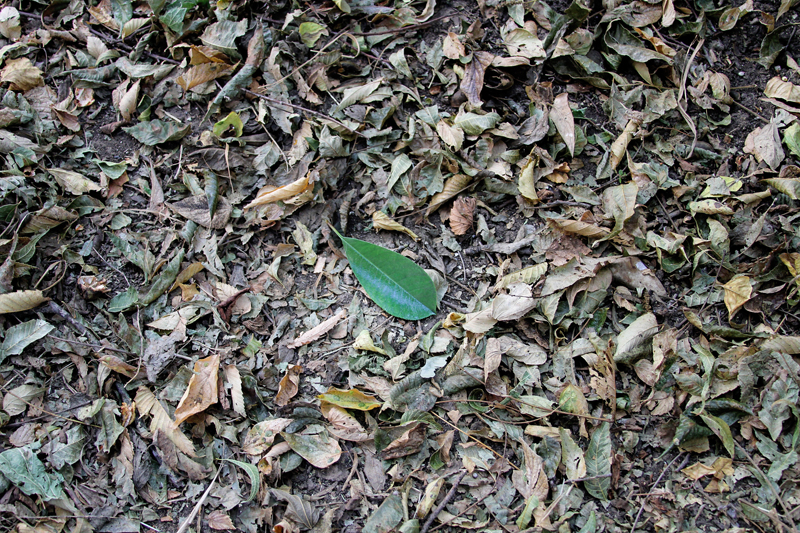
(641, 508)
(400, 30)
(99, 347)
(749, 110)
(275, 101)
(682, 94)
(54, 308)
(442, 504)
(771, 487)
(187, 522)
(50, 413)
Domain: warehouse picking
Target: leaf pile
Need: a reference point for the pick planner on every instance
(571, 304)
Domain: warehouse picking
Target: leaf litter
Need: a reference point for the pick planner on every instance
(399, 266)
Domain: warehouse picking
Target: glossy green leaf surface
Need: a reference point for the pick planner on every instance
(394, 282)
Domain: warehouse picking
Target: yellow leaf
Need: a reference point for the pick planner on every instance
(452, 187)
(737, 291)
(146, 403)
(350, 399)
(202, 390)
(270, 195)
(21, 75)
(289, 385)
(14, 302)
(381, 220)
(364, 342)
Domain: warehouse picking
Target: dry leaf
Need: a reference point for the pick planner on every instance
(128, 101)
(344, 426)
(381, 220)
(289, 385)
(785, 90)
(461, 215)
(620, 145)
(765, 144)
(300, 143)
(585, 229)
(202, 391)
(452, 136)
(14, 302)
(73, 182)
(564, 121)
(317, 332)
(21, 75)
(472, 84)
(219, 520)
(269, 195)
(237, 396)
(261, 436)
(452, 187)
(737, 291)
(200, 74)
(364, 342)
(147, 403)
(409, 442)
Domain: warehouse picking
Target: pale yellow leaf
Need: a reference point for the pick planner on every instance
(300, 143)
(452, 136)
(317, 332)
(14, 302)
(73, 182)
(585, 229)
(147, 403)
(381, 220)
(127, 104)
(234, 379)
(289, 385)
(452, 187)
(564, 121)
(132, 26)
(785, 90)
(202, 391)
(364, 342)
(737, 291)
(269, 195)
(21, 75)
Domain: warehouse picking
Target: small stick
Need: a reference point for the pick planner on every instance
(442, 504)
(641, 508)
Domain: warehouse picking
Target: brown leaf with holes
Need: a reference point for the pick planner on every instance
(202, 391)
(289, 385)
(461, 215)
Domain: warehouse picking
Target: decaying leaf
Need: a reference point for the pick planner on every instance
(318, 331)
(461, 215)
(270, 195)
(289, 385)
(202, 391)
(381, 220)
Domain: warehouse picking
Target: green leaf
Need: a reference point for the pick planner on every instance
(598, 462)
(310, 32)
(124, 300)
(230, 123)
(17, 338)
(155, 132)
(721, 429)
(350, 399)
(24, 469)
(173, 18)
(164, 280)
(255, 478)
(394, 282)
(111, 169)
(320, 450)
(791, 136)
(474, 124)
(122, 10)
(386, 517)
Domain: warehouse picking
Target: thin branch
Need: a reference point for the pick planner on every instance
(666, 468)
(442, 504)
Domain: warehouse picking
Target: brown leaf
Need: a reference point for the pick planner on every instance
(235, 381)
(195, 208)
(344, 426)
(381, 220)
(200, 74)
(452, 187)
(219, 520)
(147, 403)
(269, 195)
(202, 390)
(564, 121)
(409, 442)
(317, 332)
(461, 215)
(128, 101)
(21, 75)
(14, 302)
(472, 84)
(289, 385)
